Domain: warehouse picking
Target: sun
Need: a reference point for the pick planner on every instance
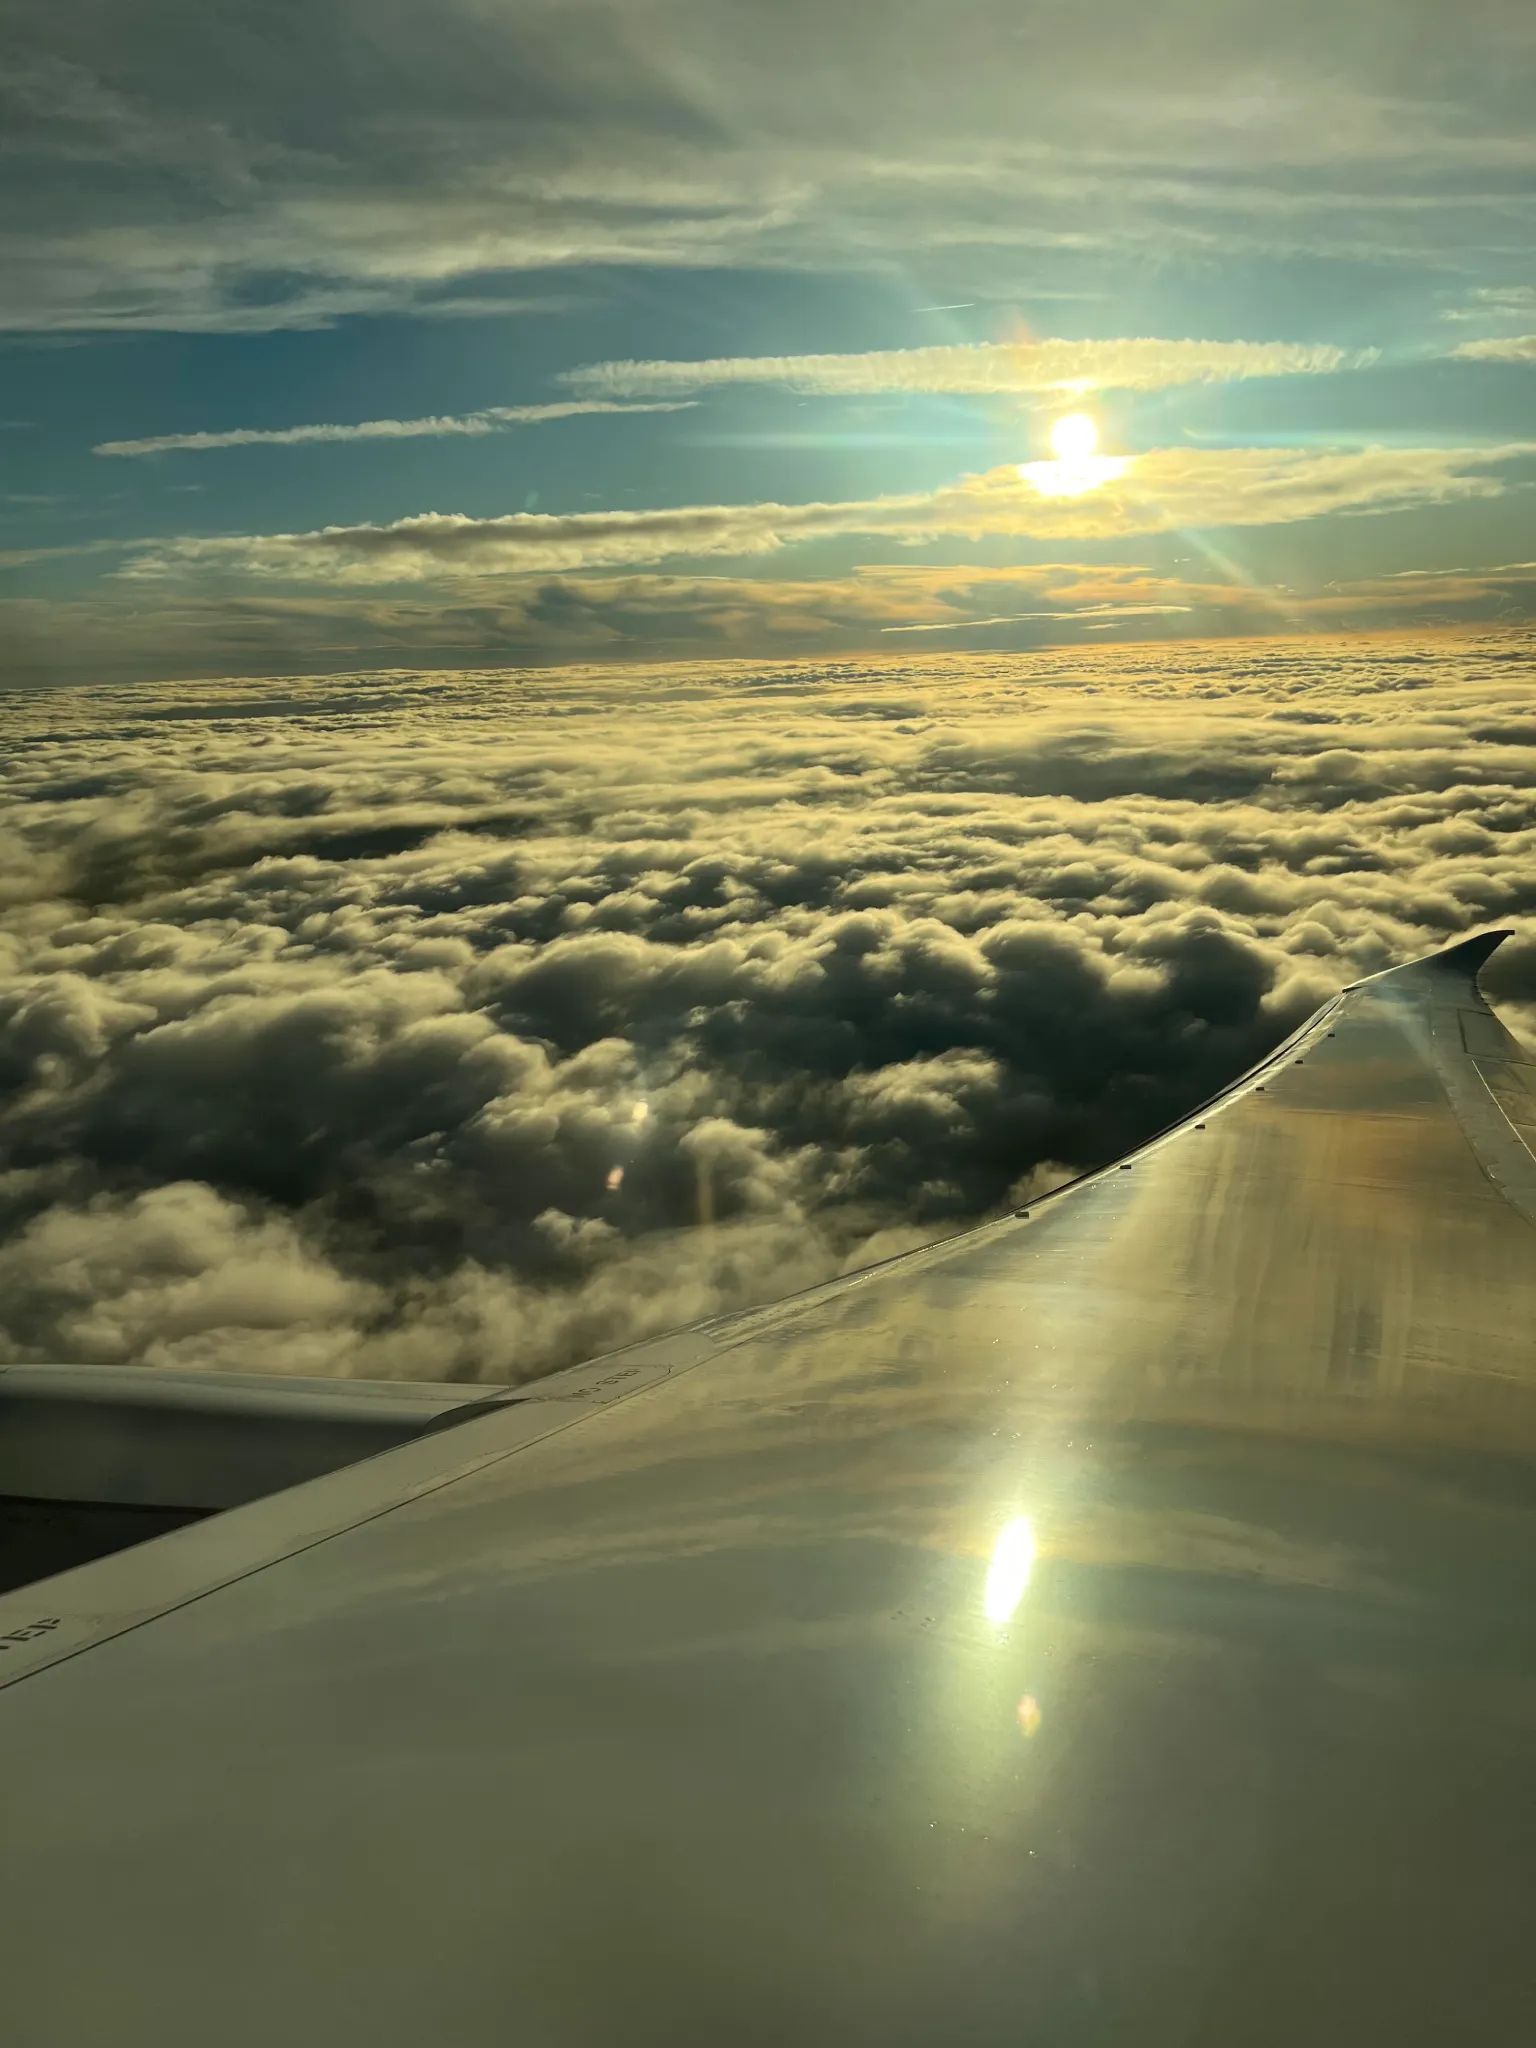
(1078, 468)
(1074, 438)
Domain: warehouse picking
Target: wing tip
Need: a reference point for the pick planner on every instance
(1466, 958)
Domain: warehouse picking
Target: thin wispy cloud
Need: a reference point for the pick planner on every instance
(493, 419)
(1509, 348)
(24, 558)
(1500, 302)
(1026, 368)
(1087, 611)
(1166, 490)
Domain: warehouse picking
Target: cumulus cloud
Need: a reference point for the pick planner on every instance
(985, 367)
(461, 1025)
(492, 419)
(178, 1274)
(1164, 490)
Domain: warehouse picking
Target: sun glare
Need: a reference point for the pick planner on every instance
(1074, 438)
(1078, 467)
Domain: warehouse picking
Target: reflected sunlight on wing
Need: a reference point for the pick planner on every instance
(1013, 1559)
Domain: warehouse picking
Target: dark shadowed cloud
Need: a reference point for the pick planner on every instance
(405, 1023)
(550, 619)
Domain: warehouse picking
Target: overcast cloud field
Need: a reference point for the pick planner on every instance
(460, 1026)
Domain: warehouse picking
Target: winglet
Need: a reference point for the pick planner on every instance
(1466, 958)
(1468, 955)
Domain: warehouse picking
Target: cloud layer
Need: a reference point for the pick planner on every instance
(1165, 490)
(461, 1025)
(636, 617)
(185, 168)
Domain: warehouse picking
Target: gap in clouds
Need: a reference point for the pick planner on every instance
(401, 1023)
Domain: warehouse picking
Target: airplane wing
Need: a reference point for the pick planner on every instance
(1114, 1625)
(93, 1458)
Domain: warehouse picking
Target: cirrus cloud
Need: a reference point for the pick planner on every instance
(994, 368)
(491, 419)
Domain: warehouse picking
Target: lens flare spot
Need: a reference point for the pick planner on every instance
(1013, 1559)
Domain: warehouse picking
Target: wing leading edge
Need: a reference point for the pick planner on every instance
(1114, 1624)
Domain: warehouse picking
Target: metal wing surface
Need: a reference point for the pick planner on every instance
(1115, 1625)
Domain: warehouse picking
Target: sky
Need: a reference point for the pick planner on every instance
(393, 335)
(648, 651)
